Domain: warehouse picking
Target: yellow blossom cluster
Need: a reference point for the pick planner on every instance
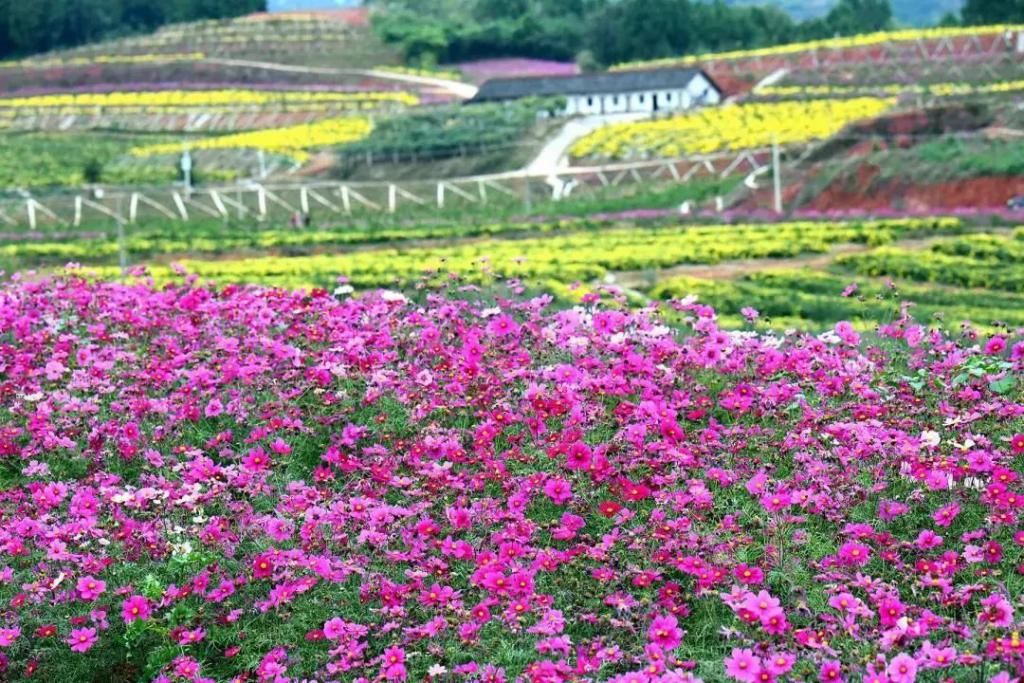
(729, 128)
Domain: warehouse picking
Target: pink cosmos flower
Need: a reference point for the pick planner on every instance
(90, 588)
(665, 632)
(902, 669)
(135, 608)
(853, 554)
(928, 539)
(558, 490)
(844, 330)
(890, 610)
(8, 636)
(82, 639)
(334, 629)
(945, 515)
(186, 667)
(393, 666)
(830, 672)
(995, 345)
(762, 603)
(779, 663)
(214, 408)
(748, 575)
(502, 326)
(742, 665)
(998, 611)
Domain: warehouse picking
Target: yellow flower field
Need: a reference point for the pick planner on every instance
(202, 98)
(729, 128)
(290, 140)
(938, 89)
(847, 42)
(158, 58)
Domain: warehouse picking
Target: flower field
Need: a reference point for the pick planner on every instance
(559, 259)
(290, 140)
(729, 128)
(254, 484)
(936, 89)
(205, 99)
(856, 45)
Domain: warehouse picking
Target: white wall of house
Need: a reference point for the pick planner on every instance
(699, 91)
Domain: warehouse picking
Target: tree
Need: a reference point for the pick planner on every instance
(851, 17)
(641, 29)
(993, 11)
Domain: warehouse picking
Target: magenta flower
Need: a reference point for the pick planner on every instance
(82, 639)
(995, 345)
(135, 608)
(558, 490)
(742, 665)
(902, 669)
(665, 632)
(749, 575)
(8, 636)
(854, 554)
(831, 671)
(90, 588)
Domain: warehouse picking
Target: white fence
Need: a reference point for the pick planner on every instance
(260, 202)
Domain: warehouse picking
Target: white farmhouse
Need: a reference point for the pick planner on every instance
(614, 92)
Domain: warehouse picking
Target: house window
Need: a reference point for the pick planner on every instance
(641, 99)
(669, 97)
(590, 101)
(615, 100)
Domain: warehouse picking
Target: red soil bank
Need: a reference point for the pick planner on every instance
(991, 192)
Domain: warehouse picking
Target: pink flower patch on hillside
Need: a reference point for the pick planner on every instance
(254, 484)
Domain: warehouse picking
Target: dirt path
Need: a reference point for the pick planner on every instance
(457, 88)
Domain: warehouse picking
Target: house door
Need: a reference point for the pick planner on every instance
(655, 101)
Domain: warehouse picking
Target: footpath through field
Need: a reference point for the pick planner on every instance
(457, 88)
(554, 155)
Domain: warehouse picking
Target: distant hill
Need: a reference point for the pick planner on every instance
(291, 5)
(910, 12)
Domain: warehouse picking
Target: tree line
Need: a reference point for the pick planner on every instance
(604, 32)
(31, 26)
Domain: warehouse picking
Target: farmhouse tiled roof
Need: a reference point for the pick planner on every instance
(591, 83)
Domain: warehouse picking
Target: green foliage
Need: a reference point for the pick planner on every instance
(981, 261)
(456, 30)
(449, 131)
(812, 300)
(40, 25)
(973, 158)
(32, 160)
(993, 11)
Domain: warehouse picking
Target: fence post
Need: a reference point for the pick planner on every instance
(440, 195)
(392, 198)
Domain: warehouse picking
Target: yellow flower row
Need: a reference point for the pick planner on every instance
(730, 128)
(202, 98)
(848, 42)
(583, 256)
(290, 140)
(939, 89)
(160, 58)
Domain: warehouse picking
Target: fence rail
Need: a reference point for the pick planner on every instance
(264, 201)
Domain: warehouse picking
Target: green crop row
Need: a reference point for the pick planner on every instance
(980, 261)
(814, 300)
